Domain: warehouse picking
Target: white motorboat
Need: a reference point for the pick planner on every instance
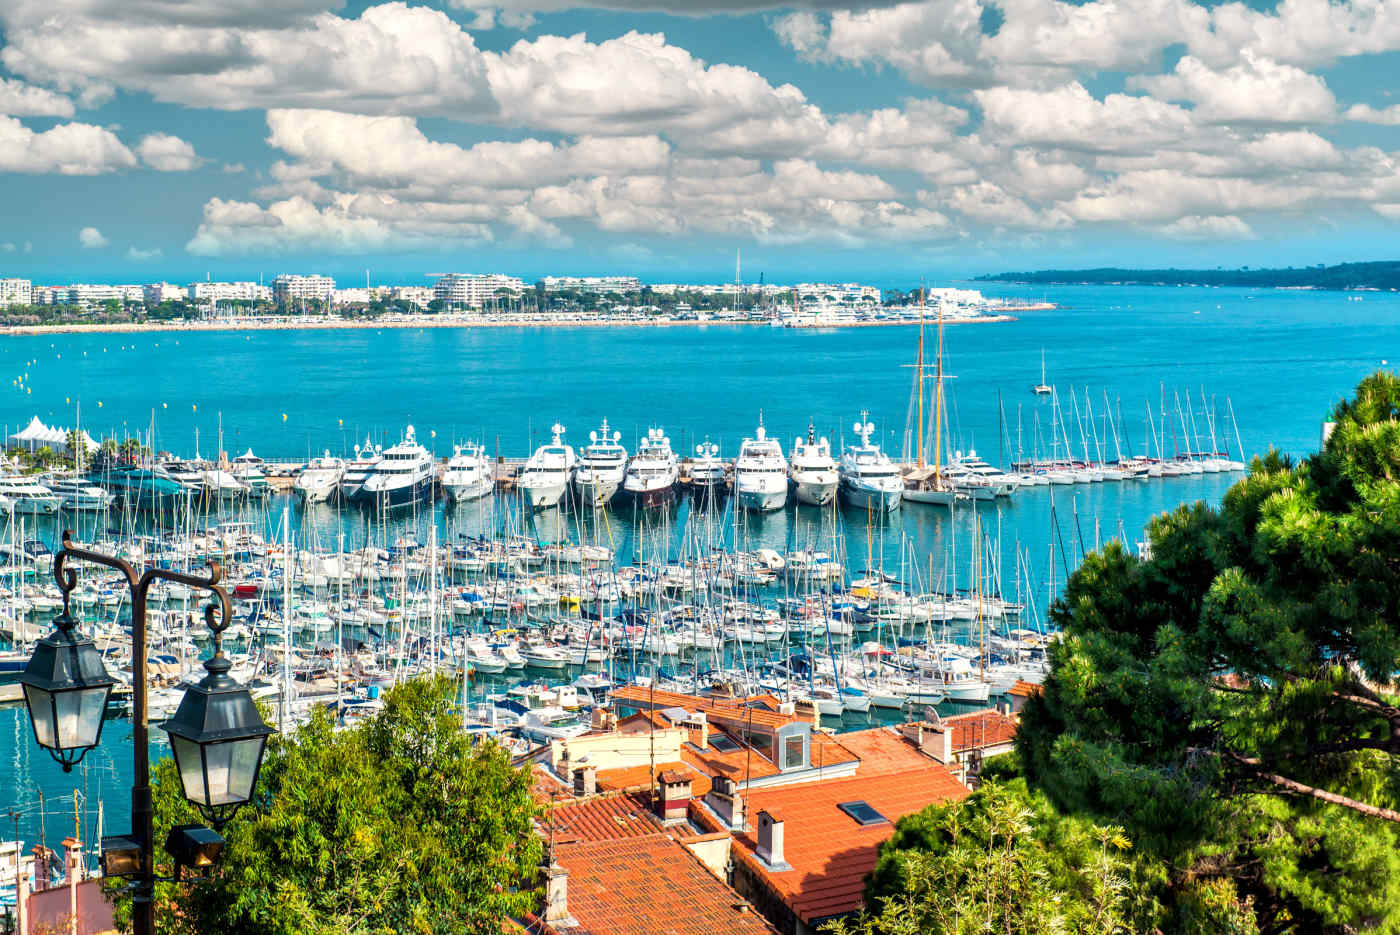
(358, 470)
(28, 494)
(981, 479)
(320, 479)
(75, 493)
(600, 471)
(403, 475)
(545, 478)
(707, 472)
(869, 480)
(760, 473)
(468, 475)
(248, 468)
(653, 475)
(812, 470)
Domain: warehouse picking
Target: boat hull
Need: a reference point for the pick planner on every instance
(388, 498)
(596, 492)
(474, 490)
(651, 498)
(543, 494)
(871, 498)
(814, 493)
(762, 501)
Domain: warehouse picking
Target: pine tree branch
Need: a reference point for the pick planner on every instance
(1298, 788)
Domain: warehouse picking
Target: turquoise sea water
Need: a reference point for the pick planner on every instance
(1281, 358)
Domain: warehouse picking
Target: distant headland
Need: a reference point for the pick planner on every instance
(1384, 275)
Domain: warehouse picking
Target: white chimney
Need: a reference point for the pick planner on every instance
(556, 906)
(770, 838)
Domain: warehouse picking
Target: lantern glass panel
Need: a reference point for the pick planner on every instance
(232, 767)
(41, 712)
(80, 716)
(191, 765)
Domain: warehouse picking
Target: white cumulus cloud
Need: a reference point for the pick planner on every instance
(166, 153)
(90, 238)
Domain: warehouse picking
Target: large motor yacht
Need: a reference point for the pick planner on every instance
(654, 473)
(248, 468)
(358, 470)
(760, 473)
(869, 480)
(403, 476)
(707, 473)
(28, 495)
(318, 481)
(76, 493)
(812, 470)
(600, 470)
(468, 475)
(545, 479)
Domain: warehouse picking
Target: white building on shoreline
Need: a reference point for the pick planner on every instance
(16, 292)
(229, 292)
(157, 292)
(295, 287)
(599, 285)
(472, 290)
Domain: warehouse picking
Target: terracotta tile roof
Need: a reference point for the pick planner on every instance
(829, 852)
(760, 709)
(650, 886)
(637, 777)
(600, 818)
(1024, 689)
(882, 750)
(980, 729)
(546, 786)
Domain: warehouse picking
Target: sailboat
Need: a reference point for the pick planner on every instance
(1042, 388)
(925, 483)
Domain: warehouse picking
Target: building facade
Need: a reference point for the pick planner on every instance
(289, 288)
(599, 285)
(472, 290)
(157, 292)
(229, 292)
(16, 292)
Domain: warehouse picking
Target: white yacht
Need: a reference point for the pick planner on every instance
(545, 478)
(812, 470)
(319, 480)
(654, 474)
(981, 481)
(223, 486)
(75, 493)
(468, 475)
(760, 473)
(28, 494)
(189, 474)
(402, 476)
(600, 470)
(707, 472)
(869, 480)
(248, 468)
(358, 470)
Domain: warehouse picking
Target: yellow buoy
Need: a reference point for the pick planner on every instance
(284, 417)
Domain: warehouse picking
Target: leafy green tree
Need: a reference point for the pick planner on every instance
(1000, 861)
(404, 824)
(1231, 698)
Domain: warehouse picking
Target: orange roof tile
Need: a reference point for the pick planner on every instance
(600, 818)
(829, 852)
(650, 886)
(980, 729)
(638, 777)
(883, 750)
(1024, 689)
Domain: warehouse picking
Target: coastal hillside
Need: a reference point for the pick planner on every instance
(1379, 275)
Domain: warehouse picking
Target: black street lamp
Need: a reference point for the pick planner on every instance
(66, 688)
(217, 735)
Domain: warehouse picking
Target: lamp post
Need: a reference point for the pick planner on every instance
(216, 733)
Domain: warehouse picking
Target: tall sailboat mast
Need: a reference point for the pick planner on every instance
(919, 383)
(938, 402)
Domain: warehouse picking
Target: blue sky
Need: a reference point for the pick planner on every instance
(936, 139)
